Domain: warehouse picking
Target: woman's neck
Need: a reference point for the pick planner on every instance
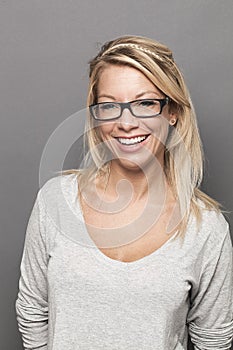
(136, 182)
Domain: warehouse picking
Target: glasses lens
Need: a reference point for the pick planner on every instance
(106, 110)
(146, 108)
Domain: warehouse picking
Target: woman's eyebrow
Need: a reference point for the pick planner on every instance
(137, 96)
(146, 92)
(106, 95)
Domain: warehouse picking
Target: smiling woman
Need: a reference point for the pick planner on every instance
(126, 135)
(158, 263)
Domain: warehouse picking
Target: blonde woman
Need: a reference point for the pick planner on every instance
(128, 252)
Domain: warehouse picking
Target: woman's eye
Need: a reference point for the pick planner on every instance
(107, 106)
(148, 103)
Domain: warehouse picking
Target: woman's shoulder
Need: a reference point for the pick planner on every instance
(57, 188)
(213, 216)
(213, 225)
(63, 180)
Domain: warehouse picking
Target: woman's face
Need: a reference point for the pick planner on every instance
(133, 141)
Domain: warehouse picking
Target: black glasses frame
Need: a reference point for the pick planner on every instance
(127, 105)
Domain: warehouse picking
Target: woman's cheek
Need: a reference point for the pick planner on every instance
(106, 130)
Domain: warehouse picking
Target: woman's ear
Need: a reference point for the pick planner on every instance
(173, 119)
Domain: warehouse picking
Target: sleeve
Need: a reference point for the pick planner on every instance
(31, 304)
(210, 317)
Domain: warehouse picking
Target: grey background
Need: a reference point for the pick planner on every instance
(44, 50)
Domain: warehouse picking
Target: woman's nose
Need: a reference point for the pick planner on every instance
(127, 121)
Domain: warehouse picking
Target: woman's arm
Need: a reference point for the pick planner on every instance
(211, 314)
(32, 303)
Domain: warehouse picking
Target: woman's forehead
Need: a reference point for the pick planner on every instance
(115, 80)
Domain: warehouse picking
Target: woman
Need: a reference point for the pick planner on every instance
(128, 252)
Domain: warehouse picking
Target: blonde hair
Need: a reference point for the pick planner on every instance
(184, 174)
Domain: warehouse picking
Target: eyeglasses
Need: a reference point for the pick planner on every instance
(146, 108)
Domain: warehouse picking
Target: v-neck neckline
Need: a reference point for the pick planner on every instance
(114, 262)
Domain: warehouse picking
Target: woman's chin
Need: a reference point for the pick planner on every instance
(136, 164)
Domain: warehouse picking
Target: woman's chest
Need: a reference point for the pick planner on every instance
(77, 273)
(138, 249)
(128, 236)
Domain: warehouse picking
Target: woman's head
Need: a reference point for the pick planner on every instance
(132, 118)
(155, 61)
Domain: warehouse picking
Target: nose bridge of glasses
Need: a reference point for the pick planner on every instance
(127, 119)
(126, 106)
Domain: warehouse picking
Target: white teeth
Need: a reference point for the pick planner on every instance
(131, 141)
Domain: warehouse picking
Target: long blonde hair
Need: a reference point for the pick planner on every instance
(183, 173)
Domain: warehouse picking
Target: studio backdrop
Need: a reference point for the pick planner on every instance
(45, 49)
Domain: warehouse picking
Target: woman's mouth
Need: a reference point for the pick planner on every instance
(128, 141)
(131, 144)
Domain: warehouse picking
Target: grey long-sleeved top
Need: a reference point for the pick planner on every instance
(72, 296)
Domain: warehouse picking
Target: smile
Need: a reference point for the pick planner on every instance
(131, 140)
